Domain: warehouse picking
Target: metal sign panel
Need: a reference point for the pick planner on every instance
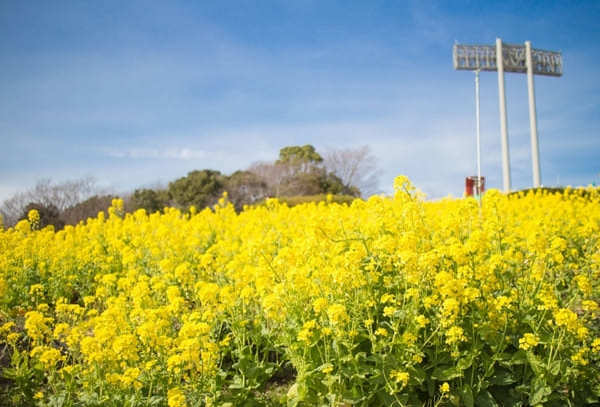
(475, 57)
(483, 58)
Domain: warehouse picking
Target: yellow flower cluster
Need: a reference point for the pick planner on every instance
(33, 216)
(528, 341)
(400, 377)
(174, 304)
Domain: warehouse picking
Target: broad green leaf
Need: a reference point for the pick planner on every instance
(555, 368)
(535, 363)
(540, 395)
(485, 399)
(445, 373)
(502, 377)
(465, 363)
(466, 395)
(519, 358)
(540, 391)
(417, 374)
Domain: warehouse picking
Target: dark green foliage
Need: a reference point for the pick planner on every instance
(332, 184)
(295, 155)
(199, 188)
(49, 215)
(245, 188)
(583, 192)
(299, 171)
(149, 199)
(299, 200)
(316, 181)
(303, 174)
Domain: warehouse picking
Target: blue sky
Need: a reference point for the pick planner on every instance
(137, 93)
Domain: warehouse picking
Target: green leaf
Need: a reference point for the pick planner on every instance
(360, 356)
(445, 373)
(591, 400)
(431, 388)
(540, 395)
(536, 365)
(465, 363)
(485, 399)
(555, 368)
(57, 400)
(418, 374)
(358, 376)
(156, 401)
(529, 320)
(502, 377)
(507, 396)
(486, 362)
(519, 357)
(540, 391)
(466, 394)
(352, 396)
(237, 384)
(488, 335)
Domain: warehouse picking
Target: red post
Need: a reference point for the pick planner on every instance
(474, 186)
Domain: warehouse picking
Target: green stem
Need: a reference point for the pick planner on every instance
(430, 336)
(541, 320)
(551, 356)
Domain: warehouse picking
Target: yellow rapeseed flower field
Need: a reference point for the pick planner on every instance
(393, 301)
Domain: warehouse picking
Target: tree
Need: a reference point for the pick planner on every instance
(298, 159)
(47, 193)
(272, 174)
(317, 181)
(12, 208)
(199, 188)
(87, 209)
(149, 199)
(245, 188)
(299, 155)
(300, 171)
(65, 194)
(49, 215)
(357, 168)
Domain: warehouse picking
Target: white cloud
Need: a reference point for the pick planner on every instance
(157, 153)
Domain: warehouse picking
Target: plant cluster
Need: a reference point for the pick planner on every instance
(390, 301)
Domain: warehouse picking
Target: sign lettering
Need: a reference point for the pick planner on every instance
(483, 58)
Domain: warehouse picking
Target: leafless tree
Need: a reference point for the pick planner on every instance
(63, 195)
(47, 193)
(12, 208)
(355, 167)
(273, 175)
(245, 188)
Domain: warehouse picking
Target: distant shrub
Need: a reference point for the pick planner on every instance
(48, 215)
(149, 199)
(87, 209)
(585, 192)
(302, 199)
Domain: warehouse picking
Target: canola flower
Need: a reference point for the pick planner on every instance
(528, 341)
(388, 301)
(445, 388)
(400, 377)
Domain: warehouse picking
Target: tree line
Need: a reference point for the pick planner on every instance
(299, 174)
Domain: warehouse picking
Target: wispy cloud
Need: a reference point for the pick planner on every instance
(161, 154)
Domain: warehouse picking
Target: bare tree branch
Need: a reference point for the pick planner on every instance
(356, 168)
(46, 193)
